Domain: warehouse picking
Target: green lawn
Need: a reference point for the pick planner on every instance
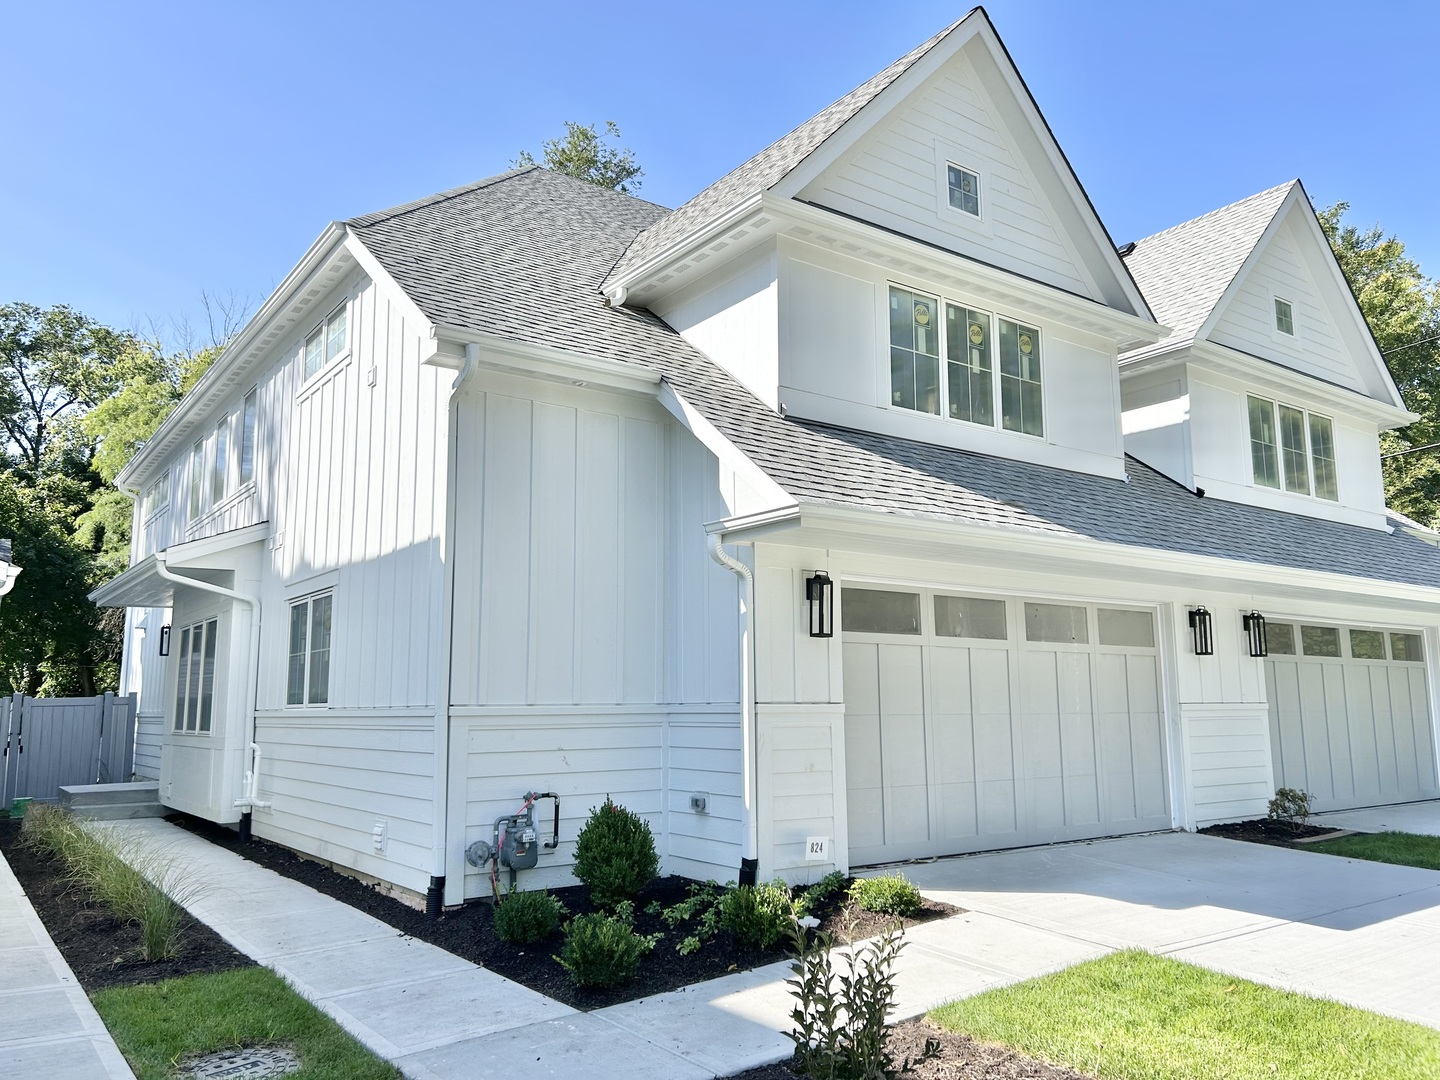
(157, 1024)
(1406, 849)
(1134, 1016)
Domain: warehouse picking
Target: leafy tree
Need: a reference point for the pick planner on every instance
(55, 364)
(1402, 307)
(583, 154)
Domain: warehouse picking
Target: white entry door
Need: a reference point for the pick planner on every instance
(1350, 718)
(975, 723)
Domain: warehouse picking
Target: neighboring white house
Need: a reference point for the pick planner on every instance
(527, 486)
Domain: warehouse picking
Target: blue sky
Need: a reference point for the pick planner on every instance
(157, 150)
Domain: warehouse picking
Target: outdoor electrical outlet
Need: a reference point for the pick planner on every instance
(700, 802)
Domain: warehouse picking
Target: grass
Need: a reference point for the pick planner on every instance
(1135, 1016)
(158, 1024)
(1402, 848)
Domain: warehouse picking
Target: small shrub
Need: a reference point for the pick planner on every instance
(601, 950)
(890, 895)
(1290, 806)
(757, 916)
(524, 918)
(819, 894)
(840, 1016)
(615, 854)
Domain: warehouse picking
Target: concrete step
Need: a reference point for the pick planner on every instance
(119, 811)
(75, 796)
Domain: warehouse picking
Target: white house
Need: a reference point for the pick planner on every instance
(527, 486)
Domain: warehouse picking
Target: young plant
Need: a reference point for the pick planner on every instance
(757, 916)
(840, 1016)
(1292, 807)
(890, 895)
(615, 854)
(524, 918)
(603, 951)
(818, 895)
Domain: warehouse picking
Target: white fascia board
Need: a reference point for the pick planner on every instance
(923, 536)
(1125, 330)
(728, 454)
(192, 552)
(541, 361)
(616, 288)
(232, 359)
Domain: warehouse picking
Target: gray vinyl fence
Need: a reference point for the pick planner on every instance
(55, 742)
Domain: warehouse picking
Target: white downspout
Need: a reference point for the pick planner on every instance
(250, 781)
(750, 849)
(434, 897)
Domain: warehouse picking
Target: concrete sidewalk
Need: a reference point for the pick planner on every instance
(1422, 818)
(48, 1028)
(442, 1018)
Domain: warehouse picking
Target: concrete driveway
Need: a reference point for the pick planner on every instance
(1419, 817)
(1364, 933)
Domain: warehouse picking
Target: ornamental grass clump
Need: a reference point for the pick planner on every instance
(139, 883)
(615, 854)
(524, 918)
(603, 950)
(889, 895)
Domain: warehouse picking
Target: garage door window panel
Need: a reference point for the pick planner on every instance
(1320, 640)
(1058, 623)
(1126, 629)
(970, 617)
(1407, 648)
(1367, 644)
(875, 611)
(1280, 639)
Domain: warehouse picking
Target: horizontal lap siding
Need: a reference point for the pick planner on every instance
(330, 780)
(800, 767)
(1229, 752)
(895, 180)
(705, 758)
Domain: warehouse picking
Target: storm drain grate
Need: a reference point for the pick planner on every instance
(251, 1063)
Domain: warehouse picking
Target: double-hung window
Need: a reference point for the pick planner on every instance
(197, 478)
(325, 342)
(1284, 316)
(195, 681)
(308, 677)
(966, 388)
(157, 496)
(1292, 450)
(248, 415)
(220, 474)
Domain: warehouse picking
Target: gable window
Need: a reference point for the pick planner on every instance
(247, 438)
(195, 680)
(197, 477)
(308, 676)
(1284, 316)
(970, 341)
(1288, 447)
(964, 189)
(325, 342)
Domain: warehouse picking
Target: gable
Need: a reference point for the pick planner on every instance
(1331, 342)
(896, 178)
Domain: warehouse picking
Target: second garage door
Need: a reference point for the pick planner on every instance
(975, 723)
(1350, 714)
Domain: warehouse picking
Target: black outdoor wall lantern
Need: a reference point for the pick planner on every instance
(165, 640)
(820, 592)
(1201, 628)
(1255, 632)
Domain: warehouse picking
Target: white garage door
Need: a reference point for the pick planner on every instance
(1350, 714)
(974, 723)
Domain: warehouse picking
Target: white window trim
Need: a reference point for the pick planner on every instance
(334, 363)
(308, 598)
(1275, 405)
(148, 513)
(945, 156)
(1280, 335)
(995, 316)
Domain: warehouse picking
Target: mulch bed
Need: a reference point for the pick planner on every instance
(467, 932)
(961, 1058)
(100, 949)
(1265, 831)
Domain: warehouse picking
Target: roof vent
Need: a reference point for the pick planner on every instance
(1125, 249)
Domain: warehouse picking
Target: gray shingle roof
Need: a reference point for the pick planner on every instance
(769, 166)
(1184, 270)
(522, 256)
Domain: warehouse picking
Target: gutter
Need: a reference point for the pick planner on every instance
(750, 843)
(435, 898)
(250, 780)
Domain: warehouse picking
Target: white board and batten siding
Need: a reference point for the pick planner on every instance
(595, 643)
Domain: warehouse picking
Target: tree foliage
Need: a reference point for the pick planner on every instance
(584, 154)
(1402, 307)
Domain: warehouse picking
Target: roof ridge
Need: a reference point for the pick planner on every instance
(1227, 208)
(399, 210)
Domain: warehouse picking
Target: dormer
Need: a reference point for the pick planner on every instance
(1270, 390)
(918, 259)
